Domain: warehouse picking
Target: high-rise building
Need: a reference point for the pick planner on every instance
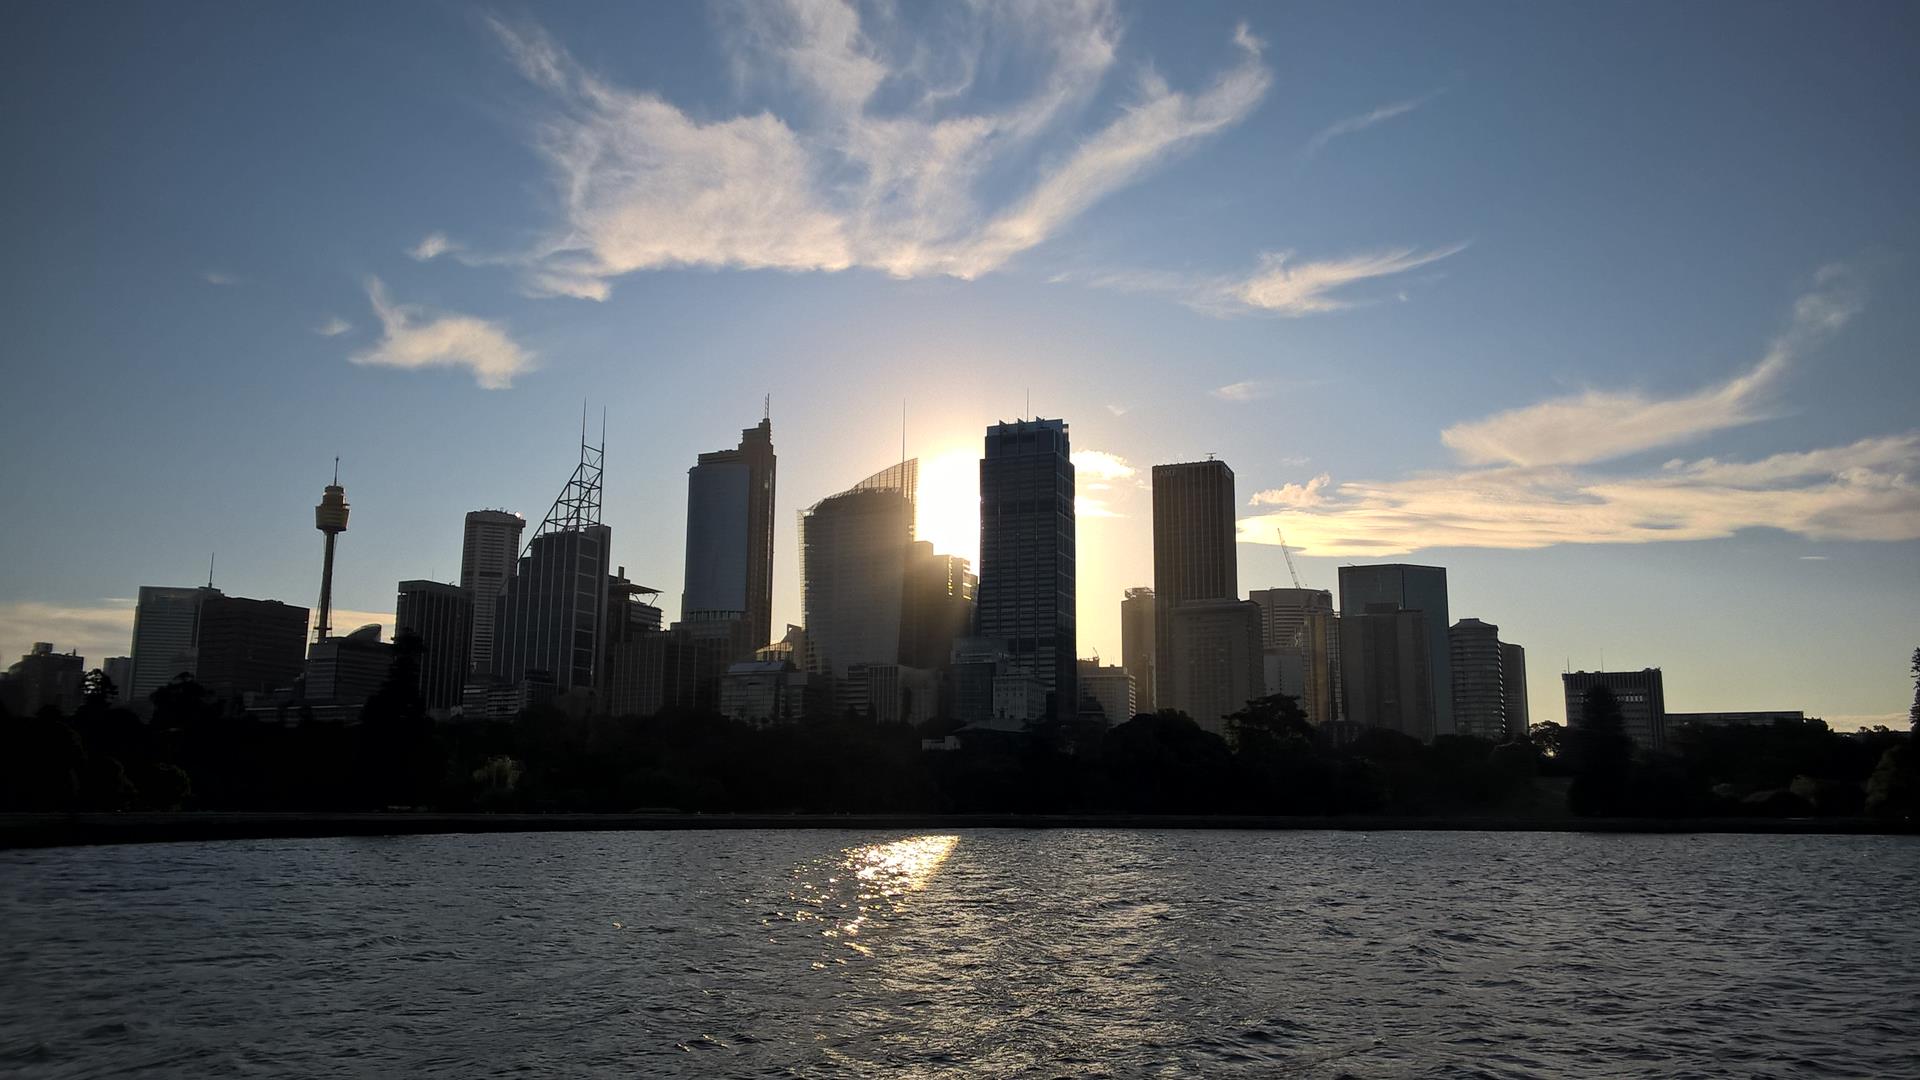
(1110, 688)
(936, 606)
(730, 536)
(1299, 635)
(1217, 659)
(768, 692)
(441, 616)
(853, 571)
(1513, 688)
(1027, 555)
(1479, 688)
(348, 669)
(1642, 696)
(249, 646)
(1136, 645)
(1195, 559)
(119, 672)
(1386, 666)
(553, 613)
(166, 636)
(44, 678)
(1408, 588)
(330, 517)
(488, 553)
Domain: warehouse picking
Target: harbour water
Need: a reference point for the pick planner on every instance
(988, 953)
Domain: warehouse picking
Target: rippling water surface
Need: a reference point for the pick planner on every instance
(1061, 953)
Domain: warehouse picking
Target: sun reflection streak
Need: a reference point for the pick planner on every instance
(871, 881)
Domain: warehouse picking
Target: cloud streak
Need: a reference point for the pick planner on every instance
(413, 339)
(1601, 425)
(835, 181)
(1362, 122)
(1282, 286)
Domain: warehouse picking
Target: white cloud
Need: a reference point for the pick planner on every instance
(1307, 288)
(1363, 121)
(834, 181)
(95, 631)
(432, 246)
(1865, 490)
(333, 327)
(1251, 390)
(216, 277)
(1296, 495)
(412, 339)
(1600, 425)
(1098, 465)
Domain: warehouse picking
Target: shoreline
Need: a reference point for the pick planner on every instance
(23, 830)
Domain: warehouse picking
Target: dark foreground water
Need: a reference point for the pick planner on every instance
(1068, 953)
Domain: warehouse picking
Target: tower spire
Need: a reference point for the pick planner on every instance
(330, 517)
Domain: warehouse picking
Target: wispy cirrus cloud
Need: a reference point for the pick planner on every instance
(1529, 478)
(412, 338)
(1599, 425)
(1362, 122)
(1281, 285)
(1249, 390)
(220, 277)
(1103, 484)
(431, 247)
(833, 180)
(333, 327)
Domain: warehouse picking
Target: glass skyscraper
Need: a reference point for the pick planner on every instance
(1026, 596)
(1407, 588)
(729, 572)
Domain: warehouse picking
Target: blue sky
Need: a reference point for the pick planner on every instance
(1604, 308)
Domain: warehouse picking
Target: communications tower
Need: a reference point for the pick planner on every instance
(330, 517)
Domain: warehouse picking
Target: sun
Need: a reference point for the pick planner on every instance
(948, 515)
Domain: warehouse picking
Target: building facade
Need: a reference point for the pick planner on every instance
(1217, 658)
(166, 637)
(853, 571)
(249, 646)
(552, 615)
(1479, 693)
(1137, 645)
(348, 669)
(936, 607)
(1408, 588)
(1513, 686)
(1642, 696)
(729, 572)
(489, 552)
(1299, 634)
(1386, 665)
(1110, 688)
(441, 616)
(1195, 558)
(1027, 587)
(45, 679)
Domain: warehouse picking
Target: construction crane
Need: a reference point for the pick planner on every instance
(1291, 572)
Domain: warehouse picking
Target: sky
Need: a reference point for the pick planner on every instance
(1605, 308)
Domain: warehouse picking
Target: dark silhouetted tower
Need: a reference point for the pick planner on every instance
(1027, 587)
(330, 517)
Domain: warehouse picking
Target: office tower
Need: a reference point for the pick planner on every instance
(166, 633)
(967, 689)
(768, 692)
(441, 616)
(888, 693)
(349, 669)
(1136, 645)
(1386, 665)
(730, 536)
(936, 606)
(553, 613)
(1479, 687)
(249, 646)
(119, 672)
(44, 678)
(1409, 588)
(1513, 689)
(675, 669)
(1300, 639)
(488, 553)
(1642, 696)
(330, 517)
(1111, 689)
(853, 565)
(1216, 658)
(1194, 560)
(1027, 557)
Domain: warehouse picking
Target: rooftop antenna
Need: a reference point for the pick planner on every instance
(766, 409)
(903, 429)
(1028, 408)
(210, 556)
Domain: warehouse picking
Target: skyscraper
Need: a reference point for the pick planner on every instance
(488, 553)
(853, 567)
(1642, 696)
(1111, 688)
(1479, 690)
(729, 571)
(1513, 687)
(553, 612)
(441, 616)
(1300, 636)
(46, 679)
(1386, 664)
(1217, 653)
(1194, 559)
(166, 635)
(249, 646)
(1408, 588)
(1136, 645)
(936, 606)
(1027, 554)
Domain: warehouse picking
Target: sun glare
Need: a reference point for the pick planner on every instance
(949, 504)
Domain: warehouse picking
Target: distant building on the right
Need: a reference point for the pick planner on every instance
(1111, 688)
(1513, 686)
(1642, 697)
(1479, 691)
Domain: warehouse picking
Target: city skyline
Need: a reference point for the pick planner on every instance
(1686, 374)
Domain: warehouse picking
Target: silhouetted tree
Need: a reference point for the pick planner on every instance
(1549, 738)
(1601, 757)
(98, 690)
